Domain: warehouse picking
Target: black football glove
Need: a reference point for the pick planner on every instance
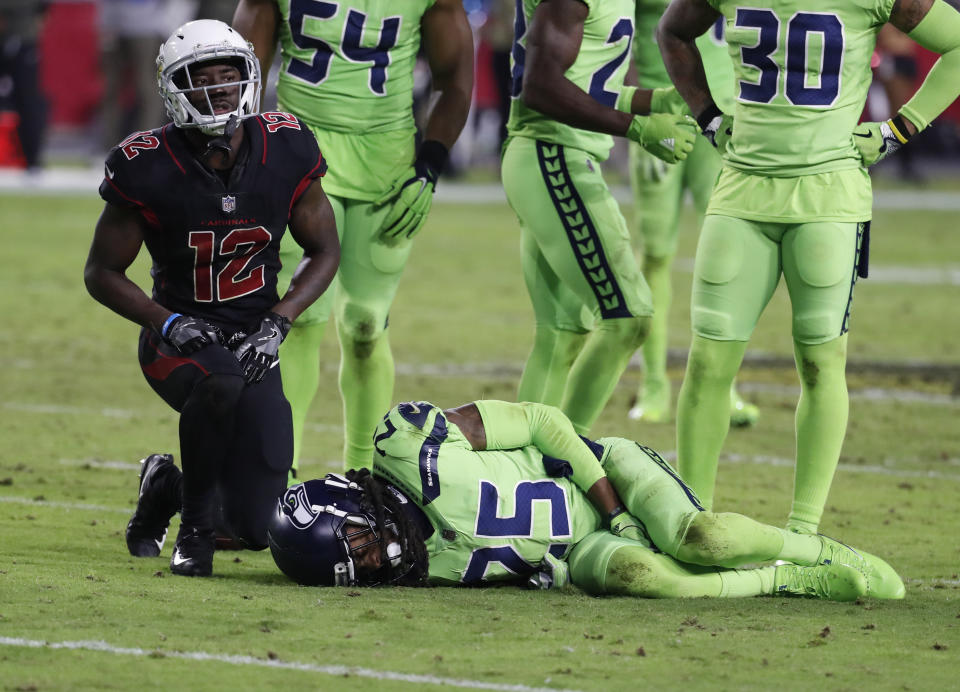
(189, 334)
(258, 352)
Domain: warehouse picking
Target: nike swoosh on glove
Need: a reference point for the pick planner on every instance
(258, 352)
(628, 526)
(665, 135)
(189, 334)
(875, 141)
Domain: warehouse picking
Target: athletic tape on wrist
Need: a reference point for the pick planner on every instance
(625, 99)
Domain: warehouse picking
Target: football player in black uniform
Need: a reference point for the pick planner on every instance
(210, 195)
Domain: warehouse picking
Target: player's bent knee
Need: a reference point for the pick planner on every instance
(218, 395)
(359, 324)
(630, 332)
(707, 541)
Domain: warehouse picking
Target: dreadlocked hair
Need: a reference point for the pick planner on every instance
(413, 567)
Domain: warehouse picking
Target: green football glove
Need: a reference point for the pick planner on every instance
(668, 100)
(665, 135)
(412, 195)
(626, 525)
(876, 141)
(553, 573)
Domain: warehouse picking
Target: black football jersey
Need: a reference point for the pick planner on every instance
(215, 244)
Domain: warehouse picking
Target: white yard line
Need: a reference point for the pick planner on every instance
(236, 660)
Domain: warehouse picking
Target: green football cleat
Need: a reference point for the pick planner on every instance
(882, 580)
(742, 413)
(653, 401)
(834, 582)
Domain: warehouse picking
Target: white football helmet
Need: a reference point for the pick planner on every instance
(200, 41)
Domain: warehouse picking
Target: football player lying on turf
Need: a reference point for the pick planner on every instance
(493, 491)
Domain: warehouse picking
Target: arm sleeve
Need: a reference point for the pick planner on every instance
(509, 426)
(939, 32)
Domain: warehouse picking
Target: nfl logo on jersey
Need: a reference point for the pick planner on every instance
(228, 203)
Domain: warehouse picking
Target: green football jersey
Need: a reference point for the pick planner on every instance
(651, 71)
(599, 70)
(347, 71)
(802, 73)
(496, 513)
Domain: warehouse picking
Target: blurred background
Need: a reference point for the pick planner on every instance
(76, 76)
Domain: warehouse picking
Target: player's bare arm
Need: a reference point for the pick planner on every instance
(448, 44)
(553, 42)
(315, 229)
(907, 14)
(257, 21)
(117, 240)
(681, 24)
(468, 419)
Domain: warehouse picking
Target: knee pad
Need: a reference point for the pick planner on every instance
(631, 332)
(218, 395)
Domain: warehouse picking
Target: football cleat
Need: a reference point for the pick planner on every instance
(653, 401)
(742, 413)
(882, 580)
(147, 528)
(834, 582)
(193, 552)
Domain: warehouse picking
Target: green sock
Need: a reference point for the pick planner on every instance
(738, 583)
(366, 384)
(800, 548)
(703, 411)
(548, 365)
(821, 425)
(300, 371)
(598, 368)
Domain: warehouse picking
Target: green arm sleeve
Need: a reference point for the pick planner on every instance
(939, 32)
(509, 426)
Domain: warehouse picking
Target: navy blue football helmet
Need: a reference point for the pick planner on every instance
(311, 532)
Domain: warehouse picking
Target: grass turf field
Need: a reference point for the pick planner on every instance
(76, 612)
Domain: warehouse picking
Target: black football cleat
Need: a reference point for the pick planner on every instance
(193, 552)
(147, 528)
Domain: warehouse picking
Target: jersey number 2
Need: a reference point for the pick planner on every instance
(801, 27)
(241, 245)
(318, 69)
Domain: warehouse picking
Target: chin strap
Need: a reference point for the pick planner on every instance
(221, 144)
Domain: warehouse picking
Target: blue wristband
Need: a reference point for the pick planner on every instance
(166, 325)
